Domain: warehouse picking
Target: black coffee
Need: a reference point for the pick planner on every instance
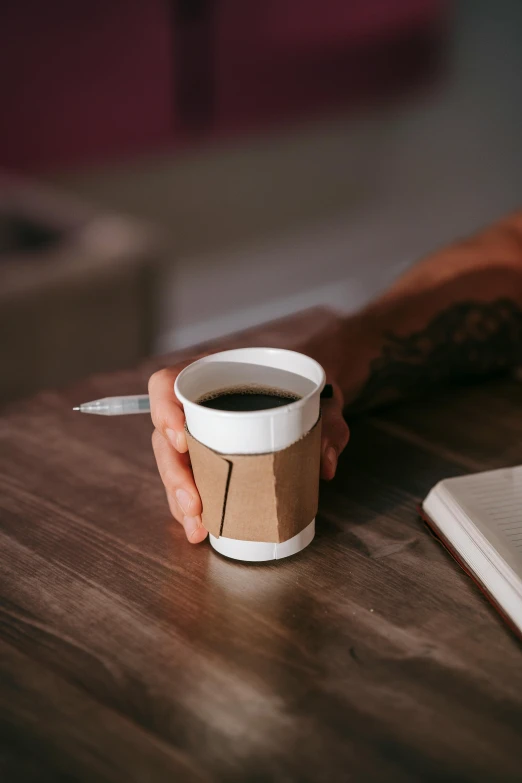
(248, 398)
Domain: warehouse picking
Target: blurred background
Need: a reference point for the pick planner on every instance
(175, 170)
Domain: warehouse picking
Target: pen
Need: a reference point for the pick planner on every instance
(139, 403)
(117, 406)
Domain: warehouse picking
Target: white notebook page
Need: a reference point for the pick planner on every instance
(493, 502)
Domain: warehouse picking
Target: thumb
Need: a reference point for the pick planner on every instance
(335, 433)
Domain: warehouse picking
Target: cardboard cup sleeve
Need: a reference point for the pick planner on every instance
(263, 497)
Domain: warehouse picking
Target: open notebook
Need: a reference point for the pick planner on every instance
(479, 519)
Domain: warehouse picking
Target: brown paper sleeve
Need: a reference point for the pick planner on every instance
(211, 473)
(263, 497)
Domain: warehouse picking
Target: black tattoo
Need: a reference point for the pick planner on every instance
(469, 340)
(327, 392)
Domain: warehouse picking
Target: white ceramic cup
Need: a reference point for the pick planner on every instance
(253, 432)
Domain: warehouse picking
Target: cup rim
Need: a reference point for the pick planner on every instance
(280, 411)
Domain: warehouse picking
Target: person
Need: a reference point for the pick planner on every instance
(454, 316)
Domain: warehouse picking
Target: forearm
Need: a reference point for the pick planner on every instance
(455, 315)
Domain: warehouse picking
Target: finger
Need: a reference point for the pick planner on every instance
(176, 474)
(166, 410)
(182, 494)
(194, 530)
(335, 435)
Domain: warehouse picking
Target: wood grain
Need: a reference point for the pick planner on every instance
(128, 654)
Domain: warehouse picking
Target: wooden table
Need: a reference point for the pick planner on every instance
(129, 655)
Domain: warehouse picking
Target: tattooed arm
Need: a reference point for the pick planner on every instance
(455, 316)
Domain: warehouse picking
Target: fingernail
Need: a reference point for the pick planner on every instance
(181, 442)
(331, 458)
(173, 437)
(177, 439)
(191, 524)
(184, 499)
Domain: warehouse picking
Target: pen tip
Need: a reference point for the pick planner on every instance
(76, 409)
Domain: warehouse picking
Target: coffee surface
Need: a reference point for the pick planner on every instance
(247, 398)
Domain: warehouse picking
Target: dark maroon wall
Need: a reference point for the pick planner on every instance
(85, 80)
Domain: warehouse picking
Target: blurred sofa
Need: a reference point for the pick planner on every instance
(76, 289)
